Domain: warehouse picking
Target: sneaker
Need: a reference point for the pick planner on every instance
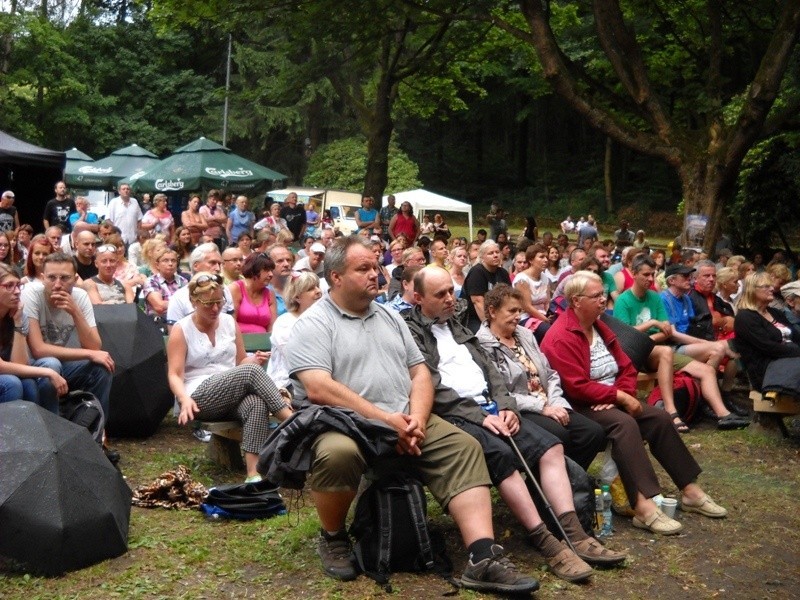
(201, 435)
(336, 554)
(497, 574)
(732, 421)
(705, 506)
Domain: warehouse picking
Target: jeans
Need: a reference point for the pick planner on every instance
(82, 375)
(13, 388)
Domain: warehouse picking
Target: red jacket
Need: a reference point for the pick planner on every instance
(567, 349)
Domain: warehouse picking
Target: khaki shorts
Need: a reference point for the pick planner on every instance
(679, 361)
(451, 462)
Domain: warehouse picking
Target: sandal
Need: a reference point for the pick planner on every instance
(678, 423)
(594, 553)
(569, 566)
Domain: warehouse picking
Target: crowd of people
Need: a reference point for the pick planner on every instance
(477, 342)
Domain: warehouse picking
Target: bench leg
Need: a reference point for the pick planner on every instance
(225, 452)
(770, 424)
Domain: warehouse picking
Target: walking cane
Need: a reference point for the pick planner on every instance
(539, 491)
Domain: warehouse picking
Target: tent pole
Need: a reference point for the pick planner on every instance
(227, 92)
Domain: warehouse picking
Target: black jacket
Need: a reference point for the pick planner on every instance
(286, 456)
(759, 342)
(446, 402)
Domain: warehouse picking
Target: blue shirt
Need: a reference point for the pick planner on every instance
(679, 310)
(367, 215)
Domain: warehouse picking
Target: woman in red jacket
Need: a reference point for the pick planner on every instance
(599, 381)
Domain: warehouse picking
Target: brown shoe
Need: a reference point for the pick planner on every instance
(568, 566)
(594, 553)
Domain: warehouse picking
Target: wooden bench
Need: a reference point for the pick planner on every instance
(645, 382)
(770, 408)
(224, 448)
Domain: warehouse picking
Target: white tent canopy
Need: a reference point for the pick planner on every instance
(423, 201)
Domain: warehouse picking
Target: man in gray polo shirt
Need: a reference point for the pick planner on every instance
(332, 355)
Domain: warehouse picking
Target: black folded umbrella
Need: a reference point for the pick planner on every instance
(63, 505)
(140, 395)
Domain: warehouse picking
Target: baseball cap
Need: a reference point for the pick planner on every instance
(8, 194)
(679, 270)
(790, 289)
(317, 247)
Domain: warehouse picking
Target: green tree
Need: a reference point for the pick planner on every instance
(692, 83)
(340, 165)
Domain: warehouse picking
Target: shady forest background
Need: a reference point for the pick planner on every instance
(621, 108)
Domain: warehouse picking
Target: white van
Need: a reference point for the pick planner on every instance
(343, 205)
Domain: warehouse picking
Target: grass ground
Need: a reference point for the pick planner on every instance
(180, 554)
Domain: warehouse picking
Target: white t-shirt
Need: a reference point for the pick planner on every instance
(456, 367)
(278, 367)
(56, 323)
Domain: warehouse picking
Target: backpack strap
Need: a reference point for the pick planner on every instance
(416, 507)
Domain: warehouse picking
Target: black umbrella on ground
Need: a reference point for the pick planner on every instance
(140, 395)
(63, 505)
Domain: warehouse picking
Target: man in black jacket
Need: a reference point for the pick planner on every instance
(470, 393)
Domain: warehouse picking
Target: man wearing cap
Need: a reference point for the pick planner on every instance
(9, 217)
(314, 262)
(791, 294)
(641, 308)
(680, 311)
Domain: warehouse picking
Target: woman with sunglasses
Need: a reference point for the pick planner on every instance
(211, 375)
(18, 380)
(103, 288)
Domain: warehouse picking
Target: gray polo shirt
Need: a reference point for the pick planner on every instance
(371, 355)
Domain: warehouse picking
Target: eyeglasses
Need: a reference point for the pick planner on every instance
(219, 302)
(11, 286)
(168, 260)
(4, 245)
(233, 260)
(61, 278)
(592, 296)
(766, 286)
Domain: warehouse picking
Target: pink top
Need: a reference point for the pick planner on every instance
(252, 318)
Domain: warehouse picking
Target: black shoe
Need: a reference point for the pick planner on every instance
(497, 574)
(112, 455)
(708, 412)
(336, 554)
(732, 421)
(733, 407)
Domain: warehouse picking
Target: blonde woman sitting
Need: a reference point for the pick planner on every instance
(211, 375)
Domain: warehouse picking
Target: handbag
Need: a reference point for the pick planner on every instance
(244, 501)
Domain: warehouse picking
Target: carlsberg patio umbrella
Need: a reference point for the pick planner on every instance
(202, 165)
(107, 172)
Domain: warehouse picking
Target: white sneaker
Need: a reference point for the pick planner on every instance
(201, 435)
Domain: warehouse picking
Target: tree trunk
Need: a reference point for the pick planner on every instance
(607, 163)
(378, 138)
(706, 190)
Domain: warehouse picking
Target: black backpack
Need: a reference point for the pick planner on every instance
(391, 533)
(84, 409)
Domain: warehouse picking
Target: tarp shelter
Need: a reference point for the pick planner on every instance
(202, 165)
(106, 173)
(31, 173)
(423, 201)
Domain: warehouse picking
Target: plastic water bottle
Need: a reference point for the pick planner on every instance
(490, 406)
(607, 529)
(598, 511)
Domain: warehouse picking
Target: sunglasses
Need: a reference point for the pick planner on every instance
(219, 302)
(107, 248)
